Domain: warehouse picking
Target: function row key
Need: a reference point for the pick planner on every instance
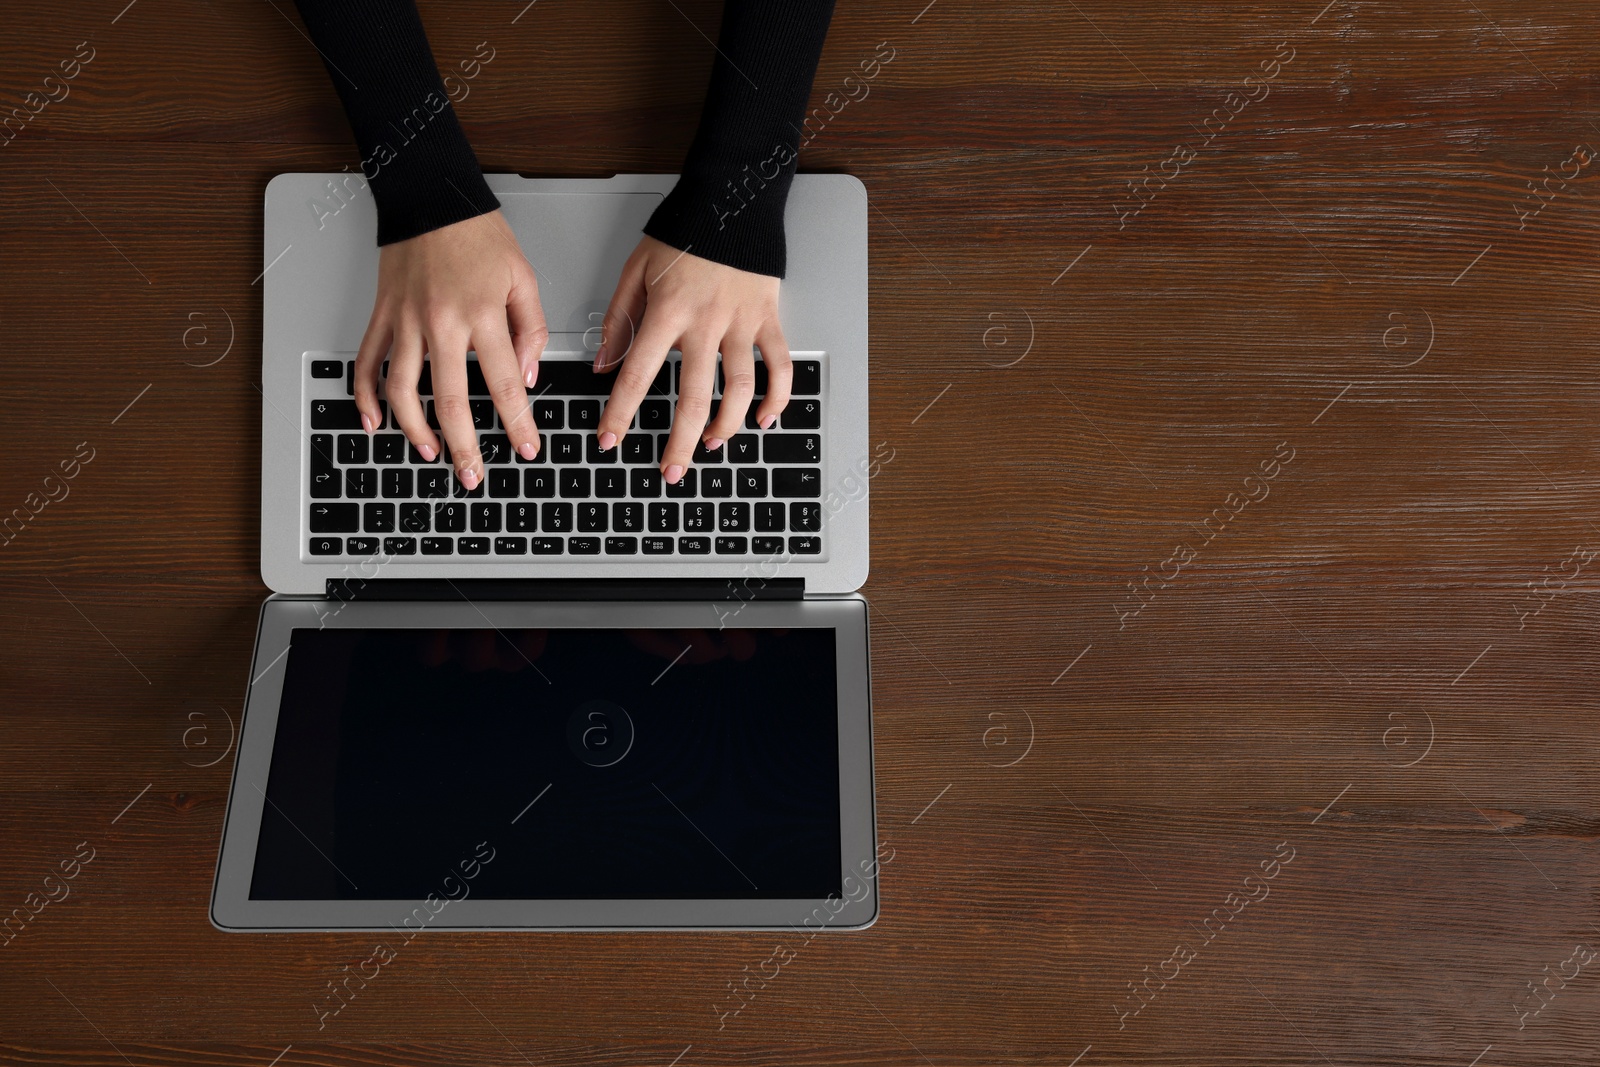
(514, 545)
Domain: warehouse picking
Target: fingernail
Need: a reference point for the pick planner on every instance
(675, 473)
(713, 443)
(600, 358)
(526, 450)
(528, 375)
(427, 452)
(607, 439)
(766, 423)
(469, 477)
(366, 422)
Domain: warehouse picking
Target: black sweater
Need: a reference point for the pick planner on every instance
(727, 206)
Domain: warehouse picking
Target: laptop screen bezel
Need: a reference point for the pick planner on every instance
(232, 909)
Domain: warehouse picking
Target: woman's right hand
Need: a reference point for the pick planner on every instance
(464, 286)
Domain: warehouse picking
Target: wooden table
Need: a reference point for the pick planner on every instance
(1233, 576)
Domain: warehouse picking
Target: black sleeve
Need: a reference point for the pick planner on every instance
(728, 205)
(414, 155)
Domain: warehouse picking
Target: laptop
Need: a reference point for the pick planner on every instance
(573, 697)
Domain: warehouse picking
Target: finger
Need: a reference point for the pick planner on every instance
(529, 332)
(633, 381)
(780, 373)
(738, 386)
(624, 317)
(405, 368)
(448, 355)
(694, 405)
(374, 346)
(498, 359)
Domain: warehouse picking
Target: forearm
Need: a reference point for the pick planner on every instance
(414, 154)
(728, 205)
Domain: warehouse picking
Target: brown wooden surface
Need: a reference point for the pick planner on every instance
(1284, 687)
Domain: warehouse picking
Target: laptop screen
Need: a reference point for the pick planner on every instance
(554, 764)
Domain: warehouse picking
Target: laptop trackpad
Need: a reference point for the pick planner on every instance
(577, 243)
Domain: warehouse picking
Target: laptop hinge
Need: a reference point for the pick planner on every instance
(345, 589)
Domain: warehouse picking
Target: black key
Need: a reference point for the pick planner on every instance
(549, 414)
(538, 483)
(378, 518)
(750, 422)
(797, 481)
(677, 373)
(611, 481)
(476, 386)
(791, 448)
(592, 450)
(438, 546)
(433, 483)
(326, 481)
(555, 518)
(761, 379)
(584, 546)
(638, 448)
(566, 448)
(767, 546)
(327, 546)
(644, 482)
(414, 518)
(495, 448)
(803, 415)
(547, 546)
(460, 491)
(431, 415)
(664, 517)
(522, 518)
(400, 546)
(751, 481)
(571, 377)
(698, 516)
(361, 546)
(744, 448)
(575, 482)
(361, 482)
(450, 518)
(656, 546)
(732, 546)
(584, 414)
(805, 546)
(733, 518)
(655, 415)
(540, 455)
(504, 482)
(337, 414)
(701, 456)
(694, 546)
(396, 483)
(661, 444)
(482, 412)
(627, 518)
(327, 368)
(807, 378)
(592, 517)
(350, 377)
(352, 448)
(389, 448)
(510, 546)
(683, 488)
(716, 481)
(807, 517)
(769, 517)
(486, 518)
(425, 380)
(622, 546)
(413, 456)
(472, 546)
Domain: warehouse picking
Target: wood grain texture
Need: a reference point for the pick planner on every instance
(1350, 664)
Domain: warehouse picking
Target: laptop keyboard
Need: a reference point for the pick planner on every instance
(757, 496)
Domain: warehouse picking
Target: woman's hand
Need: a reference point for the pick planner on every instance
(466, 285)
(700, 308)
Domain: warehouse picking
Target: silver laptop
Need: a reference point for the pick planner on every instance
(573, 697)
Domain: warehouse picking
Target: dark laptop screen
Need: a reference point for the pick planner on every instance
(585, 763)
